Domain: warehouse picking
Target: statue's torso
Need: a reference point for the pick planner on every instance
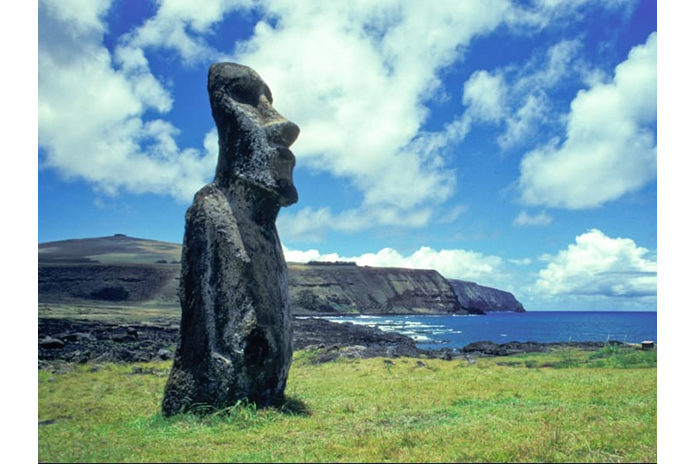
(234, 299)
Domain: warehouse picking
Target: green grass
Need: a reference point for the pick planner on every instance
(136, 313)
(619, 357)
(588, 407)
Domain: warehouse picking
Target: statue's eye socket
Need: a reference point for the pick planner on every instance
(248, 93)
(245, 95)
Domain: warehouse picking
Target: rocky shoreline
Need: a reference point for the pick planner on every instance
(81, 341)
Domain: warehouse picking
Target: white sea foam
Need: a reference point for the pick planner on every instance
(417, 330)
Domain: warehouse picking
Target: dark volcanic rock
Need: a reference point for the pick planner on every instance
(154, 343)
(488, 348)
(110, 294)
(77, 337)
(349, 340)
(476, 297)
(122, 337)
(236, 338)
(51, 343)
(93, 341)
(325, 340)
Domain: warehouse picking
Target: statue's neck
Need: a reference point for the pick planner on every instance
(251, 204)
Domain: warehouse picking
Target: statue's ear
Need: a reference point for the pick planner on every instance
(222, 104)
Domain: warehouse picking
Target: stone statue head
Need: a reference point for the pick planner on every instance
(254, 138)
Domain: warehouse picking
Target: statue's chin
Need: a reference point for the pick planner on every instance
(288, 195)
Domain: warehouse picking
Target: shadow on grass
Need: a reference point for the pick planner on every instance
(292, 406)
(243, 413)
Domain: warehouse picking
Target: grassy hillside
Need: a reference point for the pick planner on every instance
(116, 249)
(582, 407)
(111, 270)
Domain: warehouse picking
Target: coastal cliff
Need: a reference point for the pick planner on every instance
(487, 299)
(345, 288)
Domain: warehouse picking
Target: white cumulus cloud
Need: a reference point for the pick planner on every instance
(313, 223)
(453, 264)
(540, 219)
(485, 96)
(183, 26)
(355, 76)
(92, 122)
(609, 148)
(515, 97)
(598, 265)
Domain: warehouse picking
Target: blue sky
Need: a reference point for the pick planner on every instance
(508, 143)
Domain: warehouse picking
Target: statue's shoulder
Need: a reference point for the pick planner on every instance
(208, 192)
(211, 211)
(210, 203)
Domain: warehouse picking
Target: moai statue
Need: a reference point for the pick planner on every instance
(236, 335)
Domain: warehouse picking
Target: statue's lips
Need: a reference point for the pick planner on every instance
(285, 153)
(284, 163)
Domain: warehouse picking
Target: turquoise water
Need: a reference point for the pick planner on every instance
(538, 326)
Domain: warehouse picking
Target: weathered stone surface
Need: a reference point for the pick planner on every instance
(236, 338)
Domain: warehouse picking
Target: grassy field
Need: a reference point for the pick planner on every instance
(586, 407)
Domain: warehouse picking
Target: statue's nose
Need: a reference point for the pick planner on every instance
(282, 132)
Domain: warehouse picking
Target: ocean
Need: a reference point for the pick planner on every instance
(538, 326)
